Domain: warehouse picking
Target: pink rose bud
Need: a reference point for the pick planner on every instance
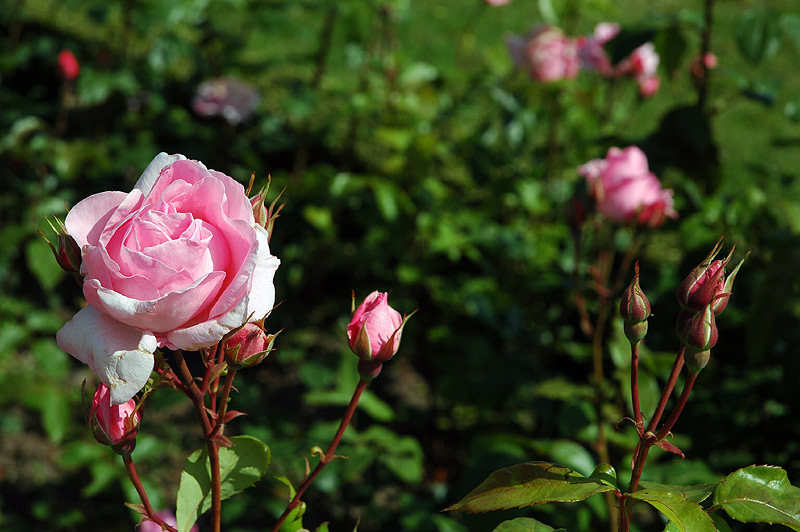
(625, 190)
(66, 251)
(248, 346)
(114, 425)
(698, 331)
(635, 309)
(375, 329)
(649, 86)
(68, 67)
(546, 53)
(707, 284)
(166, 516)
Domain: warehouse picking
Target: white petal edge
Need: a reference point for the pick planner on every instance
(120, 355)
(153, 170)
(262, 292)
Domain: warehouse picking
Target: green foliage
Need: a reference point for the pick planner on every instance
(524, 524)
(760, 494)
(241, 466)
(528, 484)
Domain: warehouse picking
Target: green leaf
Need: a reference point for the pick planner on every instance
(790, 24)
(524, 524)
(695, 492)
(294, 521)
(528, 484)
(240, 466)
(757, 35)
(685, 515)
(760, 494)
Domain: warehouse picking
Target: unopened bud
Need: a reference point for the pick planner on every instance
(248, 346)
(698, 331)
(704, 282)
(635, 309)
(66, 250)
(114, 425)
(696, 361)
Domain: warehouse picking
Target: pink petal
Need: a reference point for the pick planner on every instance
(87, 219)
(148, 177)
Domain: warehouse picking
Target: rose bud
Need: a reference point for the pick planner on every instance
(114, 425)
(66, 251)
(248, 346)
(698, 331)
(68, 66)
(635, 309)
(721, 300)
(707, 284)
(375, 329)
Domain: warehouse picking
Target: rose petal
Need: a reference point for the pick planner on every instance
(262, 293)
(120, 355)
(87, 219)
(153, 170)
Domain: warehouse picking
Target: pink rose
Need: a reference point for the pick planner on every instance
(498, 2)
(375, 329)
(178, 262)
(68, 66)
(649, 86)
(168, 517)
(546, 53)
(625, 190)
(116, 423)
(590, 49)
(643, 61)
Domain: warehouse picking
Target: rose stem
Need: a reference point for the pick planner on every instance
(134, 476)
(326, 458)
(637, 409)
(662, 402)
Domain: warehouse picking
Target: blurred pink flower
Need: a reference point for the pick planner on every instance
(230, 98)
(590, 49)
(625, 190)
(168, 517)
(649, 86)
(546, 53)
(642, 64)
(497, 2)
(68, 66)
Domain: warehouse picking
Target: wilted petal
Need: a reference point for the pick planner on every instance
(120, 355)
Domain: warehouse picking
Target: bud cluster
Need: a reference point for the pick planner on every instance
(703, 295)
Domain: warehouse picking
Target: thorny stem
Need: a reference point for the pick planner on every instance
(327, 457)
(148, 508)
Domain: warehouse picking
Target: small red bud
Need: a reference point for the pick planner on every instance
(248, 346)
(68, 66)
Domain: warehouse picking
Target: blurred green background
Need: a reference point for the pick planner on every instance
(416, 160)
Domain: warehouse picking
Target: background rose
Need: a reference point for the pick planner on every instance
(546, 53)
(626, 190)
(178, 262)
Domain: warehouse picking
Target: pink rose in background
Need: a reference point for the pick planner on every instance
(230, 98)
(642, 64)
(68, 66)
(178, 262)
(546, 53)
(625, 190)
(116, 422)
(590, 49)
(649, 86)
(709, 61)
(375, 329)
(168, 517)
(498, 2)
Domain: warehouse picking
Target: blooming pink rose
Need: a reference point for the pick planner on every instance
(168, 517)
(116, 422)
(625, 190)
(374, 330)
(178, 262)
(546, 53)
(68, 66)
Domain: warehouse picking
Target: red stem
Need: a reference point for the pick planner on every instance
(676, 412)
(326, 458)
(134, 476)
(662, 402)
